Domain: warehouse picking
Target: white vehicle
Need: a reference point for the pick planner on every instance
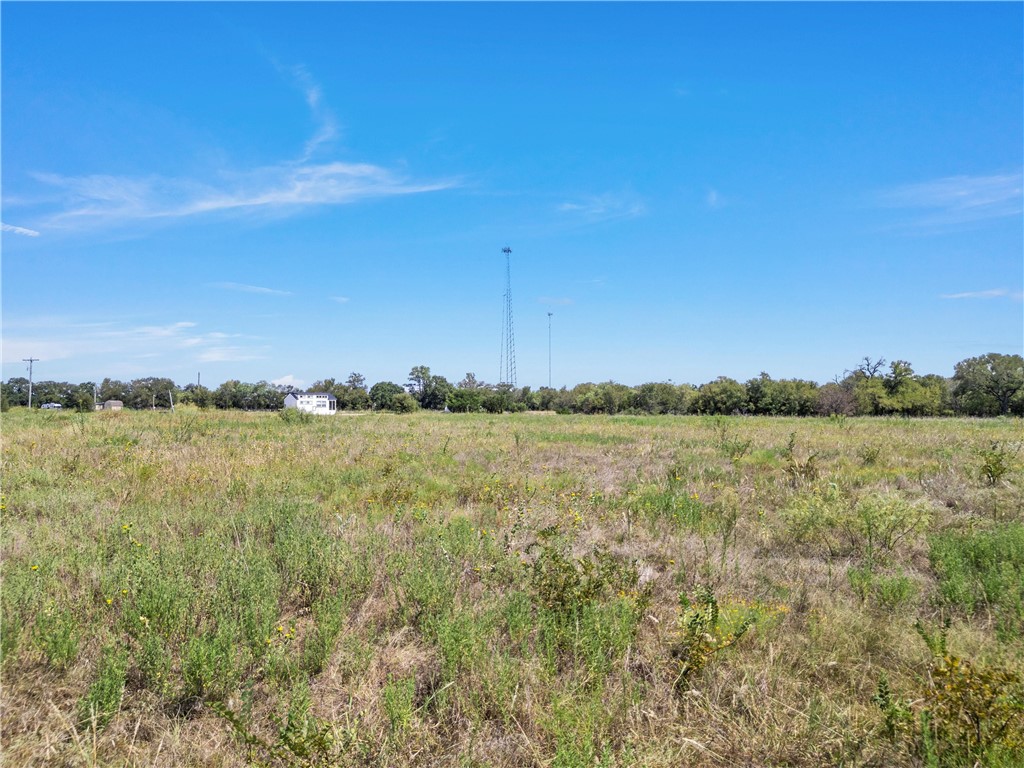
(52, 406)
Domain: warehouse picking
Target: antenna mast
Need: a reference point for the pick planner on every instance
(549, 348)
(507, 372)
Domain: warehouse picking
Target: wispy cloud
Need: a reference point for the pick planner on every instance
(605, 207)
(714, 200)
(230, 354)
(994, 293)
(57, 338)
(18, 230)
(340, 299)
(243, 288)
(104, 200)
(326, 125)
(554, 301)
(955, 200)
(288, 381)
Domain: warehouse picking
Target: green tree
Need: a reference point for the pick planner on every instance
(356, 381)
(465, 400)
(430, 391)
(198, 395)
(470, 382)
(231, 394)
(722, 396)
(382, 395)
(16, 389)
(786, 397)
(988, 385)
(150, 392)
(419, 376)
(403, 402)
(82, 397)
(113, 389)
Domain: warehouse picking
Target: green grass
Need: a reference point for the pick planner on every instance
(238, 588)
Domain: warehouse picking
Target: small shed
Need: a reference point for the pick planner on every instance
(113, 405)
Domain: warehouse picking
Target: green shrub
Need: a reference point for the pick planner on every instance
(295, 416)
(996, 461)
(970, 714)
(56, 634)
(212, 662)
(398, 700)
(103, 700)
(588, 608)
(983, 570)
(702, 634)
(889, 592)
(153, 661)
(871, 527)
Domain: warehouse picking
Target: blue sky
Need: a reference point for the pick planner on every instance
(290, 192)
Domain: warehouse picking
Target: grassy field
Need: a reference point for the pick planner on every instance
(229, 589)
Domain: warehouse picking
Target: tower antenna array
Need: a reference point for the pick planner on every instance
(507, 367)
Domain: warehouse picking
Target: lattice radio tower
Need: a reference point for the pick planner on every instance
(507, 367)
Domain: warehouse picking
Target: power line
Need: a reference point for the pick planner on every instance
(30, 360)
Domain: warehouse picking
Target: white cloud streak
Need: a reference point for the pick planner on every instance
(994, 293)
(605, 207)
(18, 230)
(327, 127)
(54, 338)
(340, 299)
(104, 200)
(289, 381)
(229, 354)
(959, 199)
(555, 301)
(243, 288)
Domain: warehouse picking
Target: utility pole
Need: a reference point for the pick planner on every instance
(30, 360)
(549, 348)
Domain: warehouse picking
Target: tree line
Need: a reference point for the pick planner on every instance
(987, 385)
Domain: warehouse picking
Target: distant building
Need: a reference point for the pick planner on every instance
(52, 406)
(113, 405)
(322, 403)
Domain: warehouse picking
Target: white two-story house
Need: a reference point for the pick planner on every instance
(312, 402)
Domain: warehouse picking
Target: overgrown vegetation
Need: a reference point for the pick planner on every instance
(229, 588)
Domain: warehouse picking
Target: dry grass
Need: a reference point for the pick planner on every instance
(429, 589)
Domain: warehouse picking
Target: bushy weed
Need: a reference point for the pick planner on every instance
(398, 698)
(103, 699)
(871, 527)
(983, 571)
(996, 461)
(57, 634)
(888, 591)
(702, 633)
(960, 714)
